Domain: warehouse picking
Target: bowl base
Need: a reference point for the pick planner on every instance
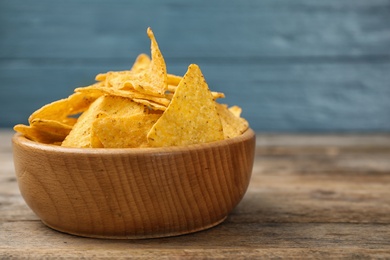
(138, 236)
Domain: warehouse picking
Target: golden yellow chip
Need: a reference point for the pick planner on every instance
(95, 141)
(191, 117)
(215, 95)
(150, 104)
(100, 89)
(141, 63)
(80, 136)
(232, 125)
(236, 110)
(38, 135)
(125, 132)
(60, 110)
(152, 80)
(109, 79)
(173, 79)
(118, 79)
(101, 77)
(52, 126)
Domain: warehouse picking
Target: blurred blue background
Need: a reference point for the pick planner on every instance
(293, 66)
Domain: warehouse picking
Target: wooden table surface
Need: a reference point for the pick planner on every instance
(319, 196)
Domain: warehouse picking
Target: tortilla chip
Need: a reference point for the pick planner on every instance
(153, 80)
(172, 89)
(236, 110)
(173, 79)
(124, 132)
(60, 110)
(52, 126)
(38, 135)
(80, 136)
(191, 117)
(232, 125)
(150, 104)
(99, 89)
(141, 63)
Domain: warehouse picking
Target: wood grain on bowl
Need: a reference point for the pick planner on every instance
(134, 193)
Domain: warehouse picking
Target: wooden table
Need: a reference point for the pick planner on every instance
(320, 196)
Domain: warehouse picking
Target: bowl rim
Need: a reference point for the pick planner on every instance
(21, 140)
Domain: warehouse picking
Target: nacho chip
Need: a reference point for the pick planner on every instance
(172, 88)
(101, 77)
(232, 125)
(150, 104)
(191, 117)
(38, 135)
(117, 79)
(173, 79)
(217, 95)
(80, 136)
(141, 63)
(100, 89)
(236, 110)
(52, 126)
(153, 80)
(95, 141)
(60, 110)
(125, 132)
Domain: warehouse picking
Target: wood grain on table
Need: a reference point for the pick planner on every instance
(315, 196)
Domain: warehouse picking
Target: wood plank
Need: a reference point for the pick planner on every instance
(292, 66)
(90, 29)
(277, 240)
(214, 253)
(311, 196)
(274, 97)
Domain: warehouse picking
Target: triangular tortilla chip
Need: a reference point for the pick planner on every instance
(38, 134)
(141, 63)
(60, 110)
(236, 110)
(124, 132)
(153, 80)
(173, 80)
(100, 89)
(52, 126)
(80, 136)
(109, 78)
(191, 117)
(232, 125)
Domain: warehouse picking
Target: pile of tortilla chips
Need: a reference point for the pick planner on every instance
(141, 107)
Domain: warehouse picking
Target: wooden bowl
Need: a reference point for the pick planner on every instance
(134, 193)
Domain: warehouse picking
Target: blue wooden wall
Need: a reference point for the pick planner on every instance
(293, 65)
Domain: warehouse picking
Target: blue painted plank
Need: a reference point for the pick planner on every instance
(300, 65)
(275, 97)
(203, 28)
